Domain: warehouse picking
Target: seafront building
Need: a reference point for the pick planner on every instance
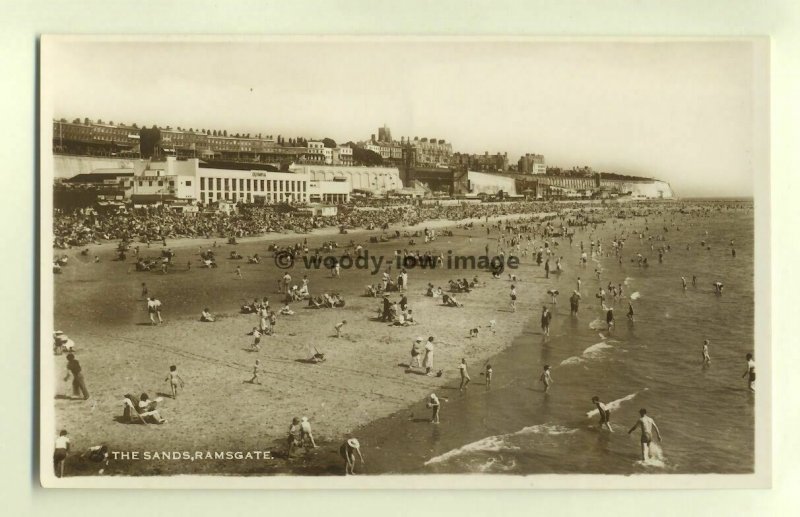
(531, 164)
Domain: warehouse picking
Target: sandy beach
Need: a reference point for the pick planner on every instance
(365, 378)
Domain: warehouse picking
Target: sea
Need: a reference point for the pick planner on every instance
(705, 413)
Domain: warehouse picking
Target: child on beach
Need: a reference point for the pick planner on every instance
(546, 379)
(255, 347)
(488, 374)
(174, 379)
(339, 326)
(256, 368)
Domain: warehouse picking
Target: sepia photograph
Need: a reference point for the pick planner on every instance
(428, 261)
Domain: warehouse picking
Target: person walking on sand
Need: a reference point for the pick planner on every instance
(154, 310)
(750, 372)
(605, 413)
(428, 359)
(415, 353)
(256, 368)
(78, 382)
(462, 369)
(434, 405)
(546, 379)
(239, 273)
(630, 313)
(174, 379)
(706, 356)
(348, 452)
(646, 424)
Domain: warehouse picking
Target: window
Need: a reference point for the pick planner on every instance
(241, 184)
(202, 183)
(140, 183)
(248, 185)
(188, 183)
(202, 197)
(219, 184)
(149, 183)
(227, 186)
(171, 183)
(160, 183)
(261, 185)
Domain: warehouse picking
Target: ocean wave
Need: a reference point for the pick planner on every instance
(598, 324)
(489, 444)
(499, 443)
(593, 352)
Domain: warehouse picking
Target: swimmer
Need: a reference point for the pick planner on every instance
(605, 413)
(647, 425)
(546, 379)
(750, 372)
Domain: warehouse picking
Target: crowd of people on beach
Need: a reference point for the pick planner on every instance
(540, 240)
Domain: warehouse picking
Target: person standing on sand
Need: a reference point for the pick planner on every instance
(462, 369)
(630, 312)
(60, 453)
(415, 361)
(750, 372)
(546, 317)
(488, 375)
(706, 356)
(546, 379)
(348, 452)
(428, 360)
(647, 425)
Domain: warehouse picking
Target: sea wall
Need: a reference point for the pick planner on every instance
(69, 166)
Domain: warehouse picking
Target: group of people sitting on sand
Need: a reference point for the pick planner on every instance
(297, 294)
(326, 301)
(462, 285)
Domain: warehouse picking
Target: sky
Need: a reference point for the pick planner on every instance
(683, 112)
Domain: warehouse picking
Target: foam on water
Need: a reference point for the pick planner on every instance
(593, 352)
(613, 405)
(598, 324)
(656, 458)
(489, 444)
(636, 296)
(627, 280)
(500, 442)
